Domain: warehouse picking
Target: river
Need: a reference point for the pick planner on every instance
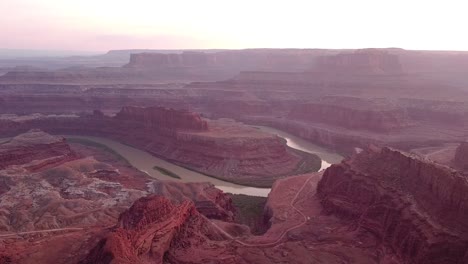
(145, 162)
(328, 157)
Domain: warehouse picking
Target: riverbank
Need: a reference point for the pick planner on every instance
(145, 162)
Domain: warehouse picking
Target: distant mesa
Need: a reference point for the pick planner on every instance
(185, 59)
(365, 61)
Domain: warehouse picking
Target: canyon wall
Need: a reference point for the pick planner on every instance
(416, 207)
(159, 118)
(352, 113)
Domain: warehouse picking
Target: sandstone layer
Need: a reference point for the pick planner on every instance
(416, 207)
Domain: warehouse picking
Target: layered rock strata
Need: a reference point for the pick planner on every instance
(416, 207)
(45, 180)
(352, 113)
(157, 231)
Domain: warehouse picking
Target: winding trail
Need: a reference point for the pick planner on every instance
(269, 244)
(43, 231)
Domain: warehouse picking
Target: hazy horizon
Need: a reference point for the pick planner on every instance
(145, 24)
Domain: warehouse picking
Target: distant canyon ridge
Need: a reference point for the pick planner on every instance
(341, 99)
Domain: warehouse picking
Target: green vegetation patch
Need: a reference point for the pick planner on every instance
(166, 172)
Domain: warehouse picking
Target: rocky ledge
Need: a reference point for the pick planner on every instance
(416, 207)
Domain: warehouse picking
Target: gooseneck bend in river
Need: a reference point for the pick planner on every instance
(145, 162)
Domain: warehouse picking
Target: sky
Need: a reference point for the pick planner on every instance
(100, 25)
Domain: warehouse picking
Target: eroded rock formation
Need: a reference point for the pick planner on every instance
(68, 188)
(155, 230)
(416, 207)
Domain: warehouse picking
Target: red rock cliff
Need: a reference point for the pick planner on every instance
(153, 230)
(418, 208)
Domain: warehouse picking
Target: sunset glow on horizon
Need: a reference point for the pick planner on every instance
(94, 25)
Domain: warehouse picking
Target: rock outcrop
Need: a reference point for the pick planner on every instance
(461, 156)
(416, 207)
(366, 61)
(45, 180)
(68, 188)
(155, 230)
(209, 201)
(35, 147)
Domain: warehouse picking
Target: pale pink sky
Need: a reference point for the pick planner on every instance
(174, 24)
